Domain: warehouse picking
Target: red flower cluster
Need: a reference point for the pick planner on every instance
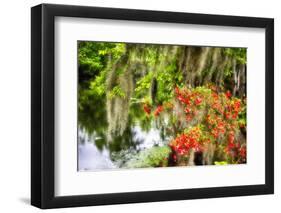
(231, 138)
(215, 102)
(233, 109)
(228, 94)
(235, 149)
(219, 126)
(190, 101)
(242, 152)
(218, 121)
(183, 96)
(186, 141)
(198, 101)
(158, 110)
(147, 109)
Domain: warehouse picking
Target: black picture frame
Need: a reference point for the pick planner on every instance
(43, 102)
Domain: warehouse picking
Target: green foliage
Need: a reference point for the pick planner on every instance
(153, 157)
(238, 53)
(220, 163)
(143, 85)
(167, 79)
(94, 56)
(117, 92)
(228, 72)
(97, 85)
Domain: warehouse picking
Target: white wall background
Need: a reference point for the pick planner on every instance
(15, 105)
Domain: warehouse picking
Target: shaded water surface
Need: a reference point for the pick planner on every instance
(91, 158)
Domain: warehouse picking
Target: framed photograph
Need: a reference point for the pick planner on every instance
(139, 106)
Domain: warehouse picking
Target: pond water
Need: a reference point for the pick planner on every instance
(91, 158)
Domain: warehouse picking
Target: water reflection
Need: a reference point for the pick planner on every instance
(149, 139)
(92, 158)
(89, 156)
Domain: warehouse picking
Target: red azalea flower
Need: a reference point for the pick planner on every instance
(158, 110)
(181, 99)
(230, 147)
(187, 110)
(198, 101)
(188, 118)
(215, 133)
(242, 152)
(177, 91)
(227, 115)
(147, 109)
(228, 94)
(234, 115)
(231, 137)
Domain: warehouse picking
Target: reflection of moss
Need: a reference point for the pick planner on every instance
(139, 117)
(124, 141)
(153, 157)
